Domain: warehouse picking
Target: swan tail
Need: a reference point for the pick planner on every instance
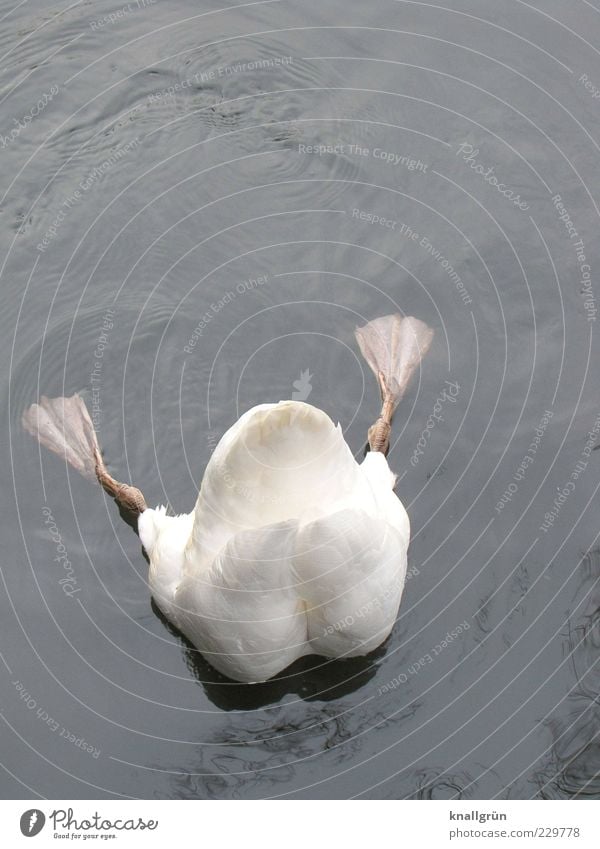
(64, 426)
(393, 347)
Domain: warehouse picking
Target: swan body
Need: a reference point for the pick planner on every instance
(293, 547)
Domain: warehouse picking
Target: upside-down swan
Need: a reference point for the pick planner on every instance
(293, 547)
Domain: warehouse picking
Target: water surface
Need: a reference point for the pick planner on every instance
(188, 196)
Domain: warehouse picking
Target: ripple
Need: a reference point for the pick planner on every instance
(573, 770)
(575, 775)
(267, 98)
(84, 350)
(436, 784)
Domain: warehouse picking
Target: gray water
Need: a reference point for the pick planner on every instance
(184, 224)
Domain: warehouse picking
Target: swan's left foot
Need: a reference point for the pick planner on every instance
(64, 426)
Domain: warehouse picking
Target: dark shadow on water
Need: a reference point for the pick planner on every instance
(311, 678)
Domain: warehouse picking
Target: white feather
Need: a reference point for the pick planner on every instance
(292, 548)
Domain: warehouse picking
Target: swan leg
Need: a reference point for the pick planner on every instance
(393, 347)
(64, 426)
(380, 430)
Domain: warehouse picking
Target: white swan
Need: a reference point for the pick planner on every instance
(293, 548)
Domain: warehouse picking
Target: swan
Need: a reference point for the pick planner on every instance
(293, 547)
